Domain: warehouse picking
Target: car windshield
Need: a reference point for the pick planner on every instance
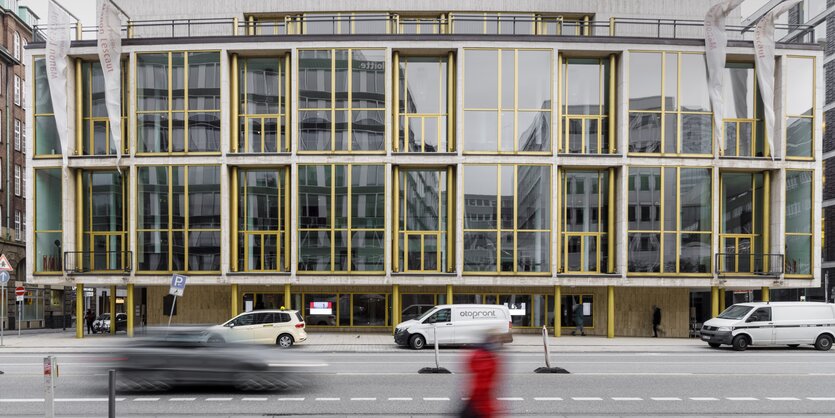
(735, 312)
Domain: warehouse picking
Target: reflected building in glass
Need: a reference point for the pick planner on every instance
(362, 167)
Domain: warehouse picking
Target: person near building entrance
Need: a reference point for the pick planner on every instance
(89, 318)
(579, 318)
(656, 320)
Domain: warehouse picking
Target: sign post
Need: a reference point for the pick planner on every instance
(19, 292)
(178, 285)
(4, 280)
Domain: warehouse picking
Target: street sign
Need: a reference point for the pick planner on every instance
(19, 298)
(4, 263)
(19, 291)
(178, 285)
(4, 277)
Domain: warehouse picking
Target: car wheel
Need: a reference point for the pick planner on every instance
(824, 343)
(417, 342)
(714, 345)
(793, 345)
(284, 340)
(216, 339)
(740, 343)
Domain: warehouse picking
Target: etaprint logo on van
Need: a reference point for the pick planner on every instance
(489, 313)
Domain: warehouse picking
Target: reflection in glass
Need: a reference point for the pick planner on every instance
(423, 101)
(46, 132)
(103, 221)
(263, 107)
(423, 202)
(262, 200)
(48, 220)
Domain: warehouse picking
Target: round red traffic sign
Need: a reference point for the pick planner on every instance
(19, 291)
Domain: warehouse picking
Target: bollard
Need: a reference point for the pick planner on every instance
(437, 369)
(548, 368)
(111, 398)
(49, 387)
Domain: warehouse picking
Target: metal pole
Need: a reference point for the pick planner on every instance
(435, 336)
(3, 313)
(19, 313)
(49, 386)
(171, 314)
(111, 397)
(545, 344)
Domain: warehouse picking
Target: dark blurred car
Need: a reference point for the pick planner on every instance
(183, 358)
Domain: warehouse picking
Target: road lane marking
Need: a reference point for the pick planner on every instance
(181, 399)
(400, 399)
(218, 399)
(22, 400)
(587, 399)
(510, 399)
(821, 399)
(363, 399)
(146, 399)
(291, 399)
(547, 399)
(743, 398)
(328, 399)
(627, 399)
(666, 399)
(704, 399)
(254, 399)
(783, 399)
(435, 399)
(83, 399)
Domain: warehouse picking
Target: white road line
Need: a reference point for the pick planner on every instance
(587, 399)
(363, 399)
(435, 399)
(290, 399)
(22, 400)
(218, 399)
(400, 399)
(743, 398)
(547, 399)
(510, 399)
(328, 399)
(83, 399)
(821, 399)
(666, 399)
(146, 399)
(704, 399)
(783, 399)
(627, 399)
(254, 399)
(181, 399)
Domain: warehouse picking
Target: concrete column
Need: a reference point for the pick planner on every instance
(610, 319)
(130, 309)
(233, 300)
(79, 310)
(722, 304)
(557, 311)
(766, 294)
(449, 294)
(112, 310)
(395, 306)
(288, 301)
(714, 301)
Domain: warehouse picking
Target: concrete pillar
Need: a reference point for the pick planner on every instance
(130, 309)
(288, 301)
(79, 310)
(766, 291)
(610, 319)
(449, 294)
(714, 301)
(112, 310)
(557, 311)
(395, 306)
(722, 304)
(233, 300)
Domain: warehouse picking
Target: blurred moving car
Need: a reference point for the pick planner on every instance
(183, 358)
(283, 328)
(102, 324)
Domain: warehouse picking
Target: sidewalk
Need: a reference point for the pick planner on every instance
(65, 342)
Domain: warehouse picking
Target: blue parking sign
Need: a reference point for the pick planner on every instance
(4, 277)
(178, 285)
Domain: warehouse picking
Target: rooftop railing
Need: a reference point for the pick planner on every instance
(454, 23)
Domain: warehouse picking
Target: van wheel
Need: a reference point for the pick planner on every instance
(793, 345)
(714, 345)
(417, 342)
(740, 343)
(284, 340)
(824, 343)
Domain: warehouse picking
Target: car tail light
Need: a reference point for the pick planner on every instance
(300, 325)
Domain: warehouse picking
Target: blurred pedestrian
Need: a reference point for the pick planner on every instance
(484, 367)
(579, 318)
(656, 320)
(89, 318)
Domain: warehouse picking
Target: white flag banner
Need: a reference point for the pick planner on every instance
(110, 54)
(716, 40)
(57, 47)
(764, 59)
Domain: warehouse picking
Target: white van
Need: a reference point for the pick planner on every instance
(456, 325)
(772, 323)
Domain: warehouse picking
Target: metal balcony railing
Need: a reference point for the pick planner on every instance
(749, 264)
(102, 262)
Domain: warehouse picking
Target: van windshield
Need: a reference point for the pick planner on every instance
(735, 312)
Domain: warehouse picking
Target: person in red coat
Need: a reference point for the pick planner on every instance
(484, 364)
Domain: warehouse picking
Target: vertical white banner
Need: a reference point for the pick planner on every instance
(764, 60)
(110, 54)
(57, 47)
(716, 40)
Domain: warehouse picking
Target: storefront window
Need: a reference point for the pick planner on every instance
(341, 218)
(96, 130)
(507, 222)
(257, 301)
(741, 223)
(800, 106)
(263, 209)
(799, 222)
(585, 109)
(183, 116)
(422, 227)
(46, 133)
(585, 217)
(515, 115)
(262, 84)
(104, 225)
(370, 310)
(422, 105)
(569, 304)
(320, 309)
(342, 94)
(48, 220)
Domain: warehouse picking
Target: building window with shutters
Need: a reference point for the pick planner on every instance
(17, 46)
(17, 220)
(17, 90)
(17, 180)
(17, 132)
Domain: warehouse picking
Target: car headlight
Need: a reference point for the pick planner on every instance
(725, 329)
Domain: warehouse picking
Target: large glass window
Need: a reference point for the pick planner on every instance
(669, 220)
(49, 224)
(95, 124)
(345, 23)
(669, 108)
(507, 219)
(493, 23)
(799, 222)
(800, 107)
(342, 99)
(507, 100)
(263, 210)
(741, 233)
(104, 225)
(262, 86)
(178, 102)
(341, 218)
(585, 221)
(743, 130)
(178, 224)
(422, 105)
(585, 108)
(423, 227)
(46, 133)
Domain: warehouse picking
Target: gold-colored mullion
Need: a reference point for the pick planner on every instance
(79, 108)
(396, 100)
(235, 102)
(663, 113)
(515, 107)
(560, 92)
(422, 250)
(515, 216)
(185, 221)
(499, 213)
(661, 225)
(678, 216)
(333, 215)
(350, 115)
(286, 226)
(450, 221)
(499, 103)
(612, 107)
(333, 111)
(678, 118)
(450, 109)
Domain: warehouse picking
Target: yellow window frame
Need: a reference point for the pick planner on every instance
(35, 229)
(755, 234)
(283, 214)
(446, 98)
(447, 233)
(87, 197)
(812, 116)
(243, 116)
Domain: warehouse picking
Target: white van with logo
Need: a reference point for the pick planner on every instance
(455, 325)
(772, 323)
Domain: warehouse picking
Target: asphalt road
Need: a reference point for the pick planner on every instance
(709, 382)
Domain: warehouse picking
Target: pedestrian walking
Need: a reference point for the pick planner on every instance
(484, 364)
(89, 318)
(656, 320)
(579, 318)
